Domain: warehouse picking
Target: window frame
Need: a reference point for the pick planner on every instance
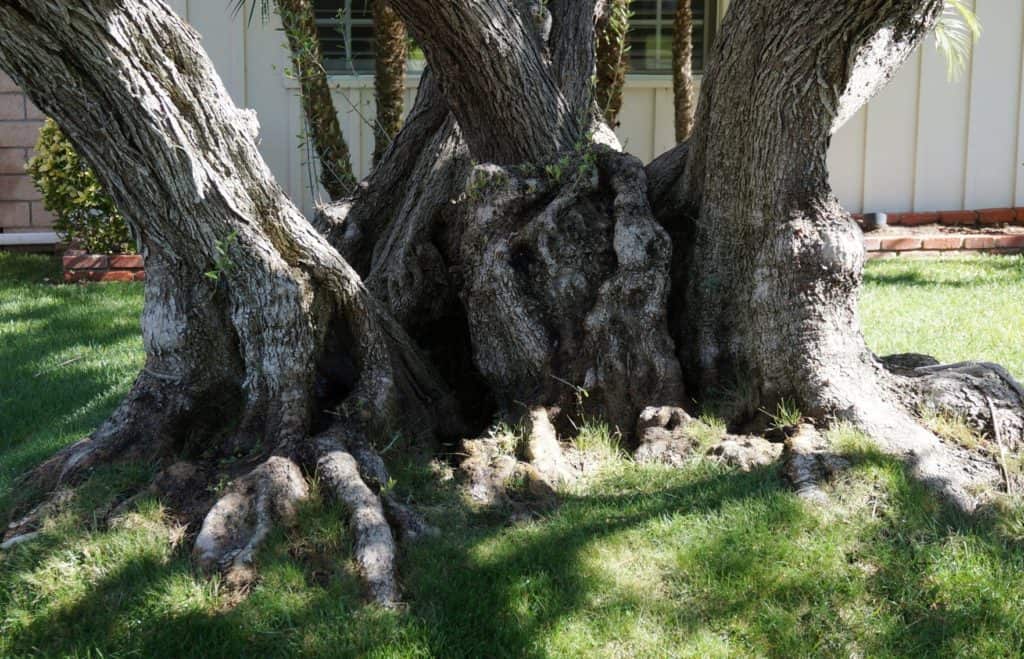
(349, 69)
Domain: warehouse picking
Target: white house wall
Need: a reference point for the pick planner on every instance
(923, 144)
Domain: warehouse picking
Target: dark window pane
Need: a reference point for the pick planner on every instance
(650, 35)
(348, 44)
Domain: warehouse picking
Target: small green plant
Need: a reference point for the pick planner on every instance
(599, 440)
(556, 170)
(579, 392)
(84, 213)
(786, 415)
(222, 263)
(707, 430)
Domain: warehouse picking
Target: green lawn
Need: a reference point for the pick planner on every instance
(643, 561)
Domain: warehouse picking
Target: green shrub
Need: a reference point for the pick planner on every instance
(84, 214)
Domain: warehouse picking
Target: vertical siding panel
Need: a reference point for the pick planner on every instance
(301, 191)
(224, 41)
(348, 102)
(635, 131)
(891, 141)
(664, 121)
(265, 63)
(995, 98)
(846, 162)
(368, 106)
(941, 134)
(1019, 163)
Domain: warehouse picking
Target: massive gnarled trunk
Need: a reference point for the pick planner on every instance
(504, 257)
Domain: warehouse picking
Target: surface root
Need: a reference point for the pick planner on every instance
(375, 550)
(243, 517)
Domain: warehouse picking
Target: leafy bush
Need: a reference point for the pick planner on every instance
(84, 214)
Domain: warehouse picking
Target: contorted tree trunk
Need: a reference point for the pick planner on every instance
(767, 284)
(246, 349)
(537, 285)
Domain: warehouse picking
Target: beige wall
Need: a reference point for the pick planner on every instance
(923, 144)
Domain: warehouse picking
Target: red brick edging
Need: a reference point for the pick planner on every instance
(80, 266)
(895, 245)
(984, 217)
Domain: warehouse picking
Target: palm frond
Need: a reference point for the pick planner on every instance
(957, 28)
(238, 7)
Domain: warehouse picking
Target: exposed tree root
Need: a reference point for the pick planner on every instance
(523, 474)
(745, 452)
(543, 451)
(667, 435)
(241, 519)
(808, 461)
(982, 394)
(375, 550)
(663, 437)
(965, 478)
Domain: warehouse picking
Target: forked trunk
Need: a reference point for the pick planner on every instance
(559, 279)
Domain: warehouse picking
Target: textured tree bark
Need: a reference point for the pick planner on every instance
(490, 62)
(252, 346)
(558, 279)
(768, 290)
(682, 70)
(324, 130)
(390, 55)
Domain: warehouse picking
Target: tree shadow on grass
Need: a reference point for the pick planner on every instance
(925, 275)
(721, 555)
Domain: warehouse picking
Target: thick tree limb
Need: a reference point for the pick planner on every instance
(495, 78)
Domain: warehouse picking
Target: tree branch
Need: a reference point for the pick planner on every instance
(496, 81)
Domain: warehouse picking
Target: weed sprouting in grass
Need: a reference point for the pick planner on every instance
(951, 426)
(786, 415)
(597, 439)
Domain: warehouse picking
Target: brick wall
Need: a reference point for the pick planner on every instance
(20, 208)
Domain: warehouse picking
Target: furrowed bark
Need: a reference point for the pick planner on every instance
(776, 263)
(767, 291)
(492, 71)
(573, 57)
(254, 325)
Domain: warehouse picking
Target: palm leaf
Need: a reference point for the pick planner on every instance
(957, 28)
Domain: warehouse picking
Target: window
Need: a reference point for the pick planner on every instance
(651, 31)
(348, 43)
(346, 35)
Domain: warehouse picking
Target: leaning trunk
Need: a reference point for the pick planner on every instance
(682, 70)
(612, 58)
(317, 104)
(392, 51)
